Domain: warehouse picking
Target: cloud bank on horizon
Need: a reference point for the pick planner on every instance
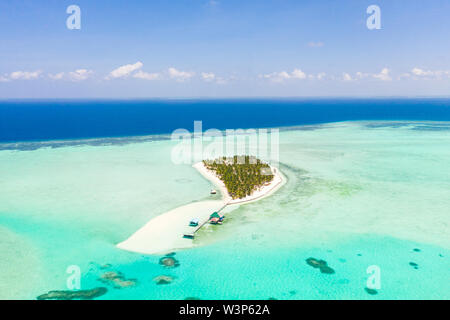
(129, 71)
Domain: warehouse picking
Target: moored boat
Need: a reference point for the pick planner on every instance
(194, 222)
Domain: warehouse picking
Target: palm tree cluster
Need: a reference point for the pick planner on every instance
(241, 174)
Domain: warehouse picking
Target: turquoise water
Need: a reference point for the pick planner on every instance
(358, 194)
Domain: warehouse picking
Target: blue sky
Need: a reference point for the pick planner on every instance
(223, 48)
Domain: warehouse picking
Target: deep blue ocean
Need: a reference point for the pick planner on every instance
(35, 120)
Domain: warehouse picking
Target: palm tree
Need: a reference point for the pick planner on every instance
(242, 175)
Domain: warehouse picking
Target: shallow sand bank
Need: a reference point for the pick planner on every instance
(16, 280)
(164, 233)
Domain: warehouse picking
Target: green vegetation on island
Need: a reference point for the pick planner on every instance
(242, 175)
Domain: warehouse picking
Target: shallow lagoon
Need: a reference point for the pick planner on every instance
(358, 194)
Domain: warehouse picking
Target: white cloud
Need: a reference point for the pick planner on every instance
(57, 76)
(275, 76)
(80, 74)
(180, 75)
(146, 76)
(346, 77)
(124, 71)
(418, 73)
(298, 74)
(321, 75)
(24, 75)
(362, 75)
(318, 44)
(208, 76)
(383, 75)
(283, 75)
(211, 77)
(77, 75)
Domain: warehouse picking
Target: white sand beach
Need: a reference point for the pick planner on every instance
(164, 233)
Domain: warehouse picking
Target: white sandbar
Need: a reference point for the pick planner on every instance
(164, 233)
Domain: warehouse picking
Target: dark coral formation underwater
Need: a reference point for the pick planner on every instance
(322, 265)
(117, 280)
(169, 262)
(371, 291)
(73, 295)
(163, 279)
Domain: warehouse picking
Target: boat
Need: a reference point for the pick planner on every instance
(194, 222)
(213, 191)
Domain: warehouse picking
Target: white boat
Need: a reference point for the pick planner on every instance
(194, 222)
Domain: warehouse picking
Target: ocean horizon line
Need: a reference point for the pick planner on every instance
(231, 98)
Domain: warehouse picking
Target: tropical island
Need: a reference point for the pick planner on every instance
(240, 179)
(242, 175)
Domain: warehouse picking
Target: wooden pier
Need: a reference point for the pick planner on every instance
(191, 235)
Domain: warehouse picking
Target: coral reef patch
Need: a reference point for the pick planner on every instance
(73, 295)
(371, 291)
(163, 279)
(117, 280)
(169, 262)
(322, 265)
